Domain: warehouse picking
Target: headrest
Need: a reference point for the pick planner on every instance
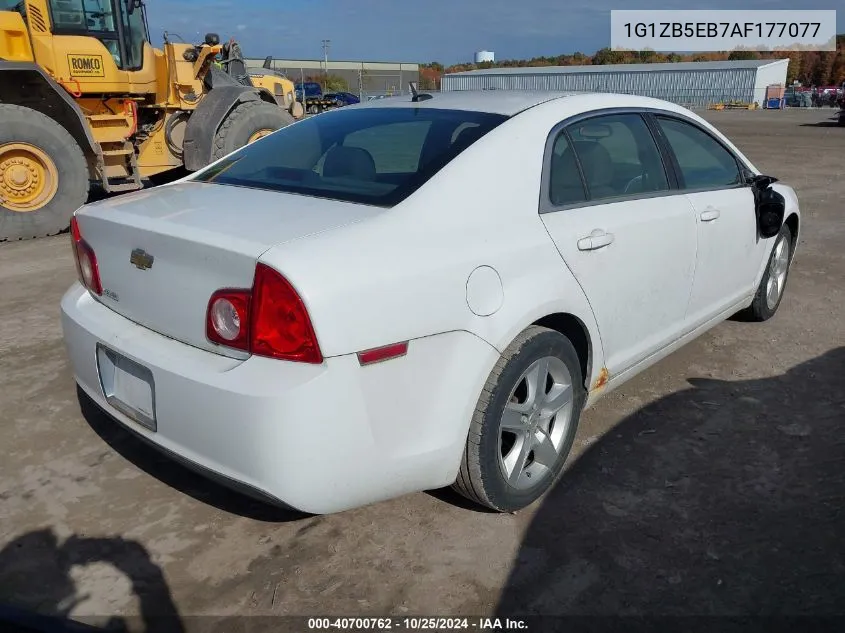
(349, 162)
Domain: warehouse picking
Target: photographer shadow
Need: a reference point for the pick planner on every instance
(723, 499)
(38, 592)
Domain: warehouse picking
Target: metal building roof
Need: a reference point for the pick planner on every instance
(749, 64)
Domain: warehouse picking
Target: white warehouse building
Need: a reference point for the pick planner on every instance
(691, 84)
(485, 56)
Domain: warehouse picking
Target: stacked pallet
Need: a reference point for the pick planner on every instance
(775, 97)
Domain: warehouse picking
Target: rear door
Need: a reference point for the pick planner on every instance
(624, 233)
(729, 253)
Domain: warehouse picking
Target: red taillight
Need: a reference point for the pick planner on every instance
(227, 318)
(280, 325)
(86, 260)
(269, 320)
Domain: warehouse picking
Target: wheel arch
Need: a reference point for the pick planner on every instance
(573, 329)
(793, 222)
(26, 84)
(209, 115)
(573, 319)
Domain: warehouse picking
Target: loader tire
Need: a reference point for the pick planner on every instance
(245, 123)
(43, 175)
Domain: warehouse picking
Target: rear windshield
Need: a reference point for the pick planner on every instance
(375, 156)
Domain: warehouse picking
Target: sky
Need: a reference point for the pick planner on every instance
(447, 31)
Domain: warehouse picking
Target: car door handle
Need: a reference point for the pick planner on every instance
(597, 239)
(710, 214)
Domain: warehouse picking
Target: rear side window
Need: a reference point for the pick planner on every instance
(704, 162)
(565, 184)
(618, 156)
(376, 156)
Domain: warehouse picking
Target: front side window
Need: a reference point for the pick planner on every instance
(13, 5)
(83, 15)
(618, 156)
(704, 162)
(97, 18)
(376, 156)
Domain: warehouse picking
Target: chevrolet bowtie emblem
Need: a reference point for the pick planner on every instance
(141, 259)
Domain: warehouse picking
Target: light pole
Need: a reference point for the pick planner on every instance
(326, 45)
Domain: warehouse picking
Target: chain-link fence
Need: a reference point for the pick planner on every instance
(363, 79)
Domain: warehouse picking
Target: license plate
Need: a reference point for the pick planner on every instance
(128, 386)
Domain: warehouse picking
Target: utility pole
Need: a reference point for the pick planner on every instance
(326, 45)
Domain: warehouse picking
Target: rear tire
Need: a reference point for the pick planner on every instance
(244, 122)
(774, 278)
(524, 423)
(49, 143)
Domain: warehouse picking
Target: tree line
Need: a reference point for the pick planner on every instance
(811, 68)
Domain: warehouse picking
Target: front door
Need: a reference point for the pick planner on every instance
(629, 240)
(729, 253)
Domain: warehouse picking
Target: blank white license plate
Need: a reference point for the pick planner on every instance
(128, 386)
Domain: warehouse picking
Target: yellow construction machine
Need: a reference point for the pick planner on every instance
(86, 100)
(273, 81)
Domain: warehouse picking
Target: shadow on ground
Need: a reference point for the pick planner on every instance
(173, 474)
(833, 122)
(36, 578)
(722, 499)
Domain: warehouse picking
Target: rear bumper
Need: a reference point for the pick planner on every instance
(318, 438)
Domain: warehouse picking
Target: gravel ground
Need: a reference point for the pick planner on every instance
(711, 484)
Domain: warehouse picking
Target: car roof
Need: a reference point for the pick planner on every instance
(504, 102)
(511, 102)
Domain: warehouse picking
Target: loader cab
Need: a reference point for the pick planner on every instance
(120, 25)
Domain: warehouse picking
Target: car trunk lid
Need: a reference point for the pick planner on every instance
(162, 253)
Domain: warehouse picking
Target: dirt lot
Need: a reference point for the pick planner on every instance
(712, 484)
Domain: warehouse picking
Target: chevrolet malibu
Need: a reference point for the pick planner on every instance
(420, 292)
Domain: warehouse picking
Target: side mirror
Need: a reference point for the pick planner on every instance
(770, 206)
(760, 181)
(771, 209)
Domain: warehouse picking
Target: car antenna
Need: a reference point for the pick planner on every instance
(417, 96)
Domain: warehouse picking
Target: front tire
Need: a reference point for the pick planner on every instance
(43, 174)
(297, 111)
(247, 122)
(770, 291)
(524, 423)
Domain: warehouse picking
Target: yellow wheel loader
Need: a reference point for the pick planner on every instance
(273, 81)
(86, 101)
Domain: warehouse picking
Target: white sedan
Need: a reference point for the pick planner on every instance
(409, 294)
